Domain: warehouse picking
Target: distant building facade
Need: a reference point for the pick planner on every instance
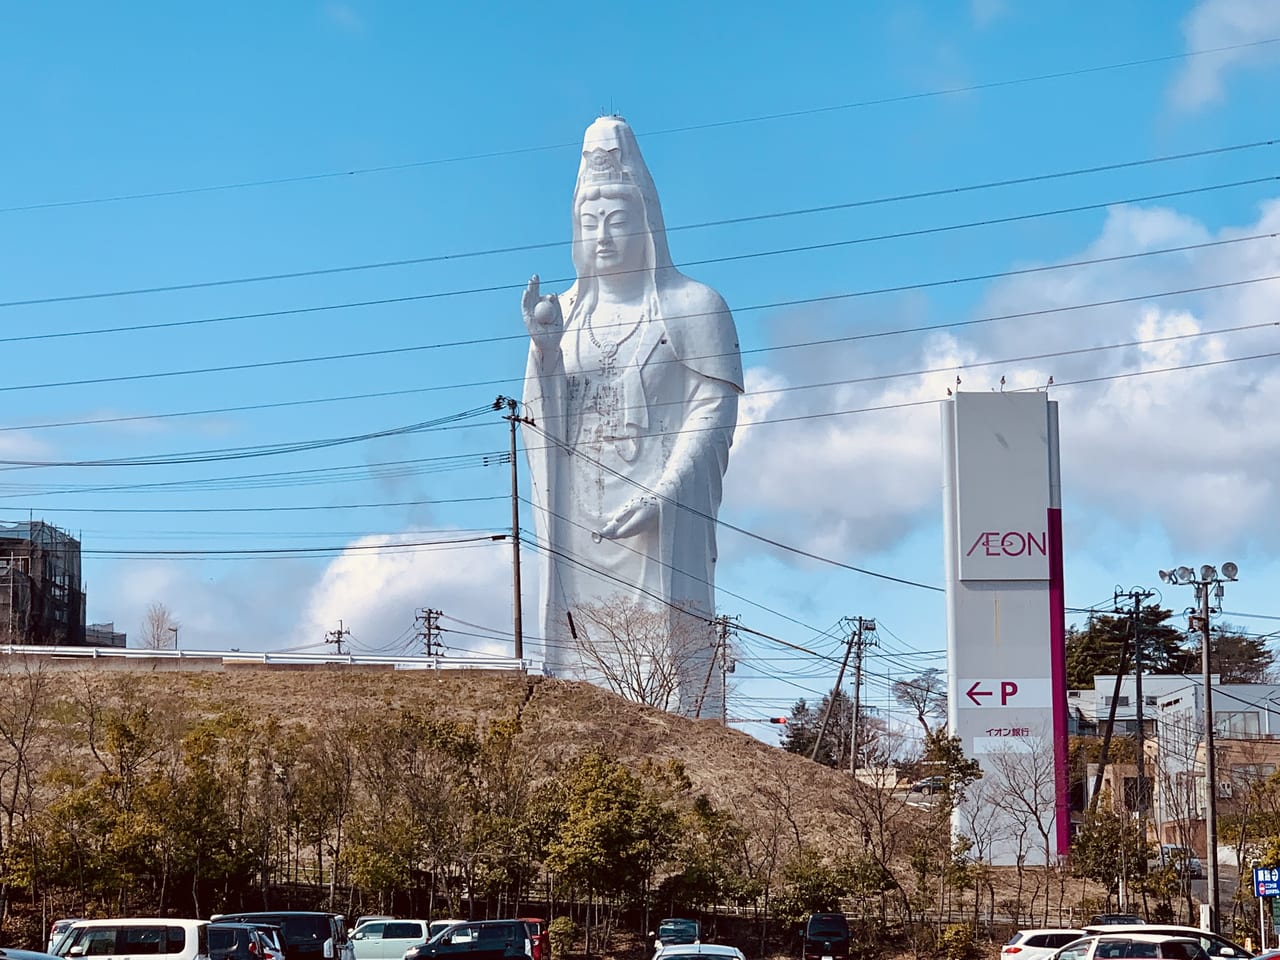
(41, 595)
(104, 635)
(1246, 722)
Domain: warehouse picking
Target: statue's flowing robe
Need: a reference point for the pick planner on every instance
(660, 426)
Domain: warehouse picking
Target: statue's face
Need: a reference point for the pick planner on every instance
(613, 234)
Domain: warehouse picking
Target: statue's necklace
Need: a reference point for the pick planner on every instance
(609, 348)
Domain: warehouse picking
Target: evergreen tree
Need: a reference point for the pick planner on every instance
(804, 723)
(1095, 650)
(1166, 649)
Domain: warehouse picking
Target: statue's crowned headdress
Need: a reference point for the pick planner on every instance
(605, 166)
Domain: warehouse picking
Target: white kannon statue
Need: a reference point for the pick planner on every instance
(632, 385)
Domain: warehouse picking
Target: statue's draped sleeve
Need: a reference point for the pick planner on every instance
(703, 334)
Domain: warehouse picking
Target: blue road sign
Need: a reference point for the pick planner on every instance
(1266, 881)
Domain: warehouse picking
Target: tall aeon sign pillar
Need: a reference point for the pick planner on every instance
(1006, 628)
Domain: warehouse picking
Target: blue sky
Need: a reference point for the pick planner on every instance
(398, 131)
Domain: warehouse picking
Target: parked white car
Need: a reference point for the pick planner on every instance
(1132, 946)
(699, 951)
(57, 929)
(1038, 944)
(127, 937)
(1210, 943)
(387, 939)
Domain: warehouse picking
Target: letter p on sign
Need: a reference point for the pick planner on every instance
(1007, 689)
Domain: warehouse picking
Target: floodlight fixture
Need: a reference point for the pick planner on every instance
(1166, 576)
(1185, 574)
(1230, 570)
(1207, 572)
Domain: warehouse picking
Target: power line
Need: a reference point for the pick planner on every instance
(310, 476)
(280, 508)
(222, 454)
(730, 258)
(547, 511)
(686, 128)
(281, 552)
(919, 403)
(900, 288)
(827, 341)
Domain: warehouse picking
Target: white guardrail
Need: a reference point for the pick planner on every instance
(269, 658)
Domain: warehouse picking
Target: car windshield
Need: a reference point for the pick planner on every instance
(828, 927)
(299, 929)
(678, 931)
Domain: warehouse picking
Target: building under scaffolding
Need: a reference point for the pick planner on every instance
(41, 596)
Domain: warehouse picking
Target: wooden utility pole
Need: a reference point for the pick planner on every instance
(428, 623)
(855, 640)
(1137, 597)
(337, 636)
(860, 642)
(720, 653)
(517, 616)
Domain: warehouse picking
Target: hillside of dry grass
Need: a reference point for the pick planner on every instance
(558, 720)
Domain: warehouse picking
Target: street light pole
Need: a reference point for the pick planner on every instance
(1209, 582)
(1210, 760)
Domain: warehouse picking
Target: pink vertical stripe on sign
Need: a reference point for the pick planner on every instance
(1058, 673)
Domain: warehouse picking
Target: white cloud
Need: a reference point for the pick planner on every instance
(1223, 23)
(19, 445)
(377, 592)
(285, 604)
(267, 599)
(1192, 451)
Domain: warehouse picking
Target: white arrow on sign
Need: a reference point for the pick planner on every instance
(1005, 692)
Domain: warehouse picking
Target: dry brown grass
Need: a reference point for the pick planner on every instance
(559, 719)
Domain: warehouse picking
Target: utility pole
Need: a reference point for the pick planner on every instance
(726, 666)
(831, 700)
(1105, 753)
(517, 617)
(861, 641)
(1137, 597)
(719, 653)
(428, 623)
(337, 636)
(1209, 582)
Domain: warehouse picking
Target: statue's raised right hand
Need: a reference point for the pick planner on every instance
(542, 316)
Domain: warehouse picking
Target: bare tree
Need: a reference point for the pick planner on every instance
(159, 628)
(643, 653)
(1026, 790)
(24, 699)
(924, 695)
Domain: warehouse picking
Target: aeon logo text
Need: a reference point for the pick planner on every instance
(1010, 543)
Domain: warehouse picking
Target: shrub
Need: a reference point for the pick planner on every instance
(564, 934)
(956, 942)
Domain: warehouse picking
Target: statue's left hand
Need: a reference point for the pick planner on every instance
(636, 514)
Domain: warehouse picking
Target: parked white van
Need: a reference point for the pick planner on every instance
(129, 937)
(387, 939)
